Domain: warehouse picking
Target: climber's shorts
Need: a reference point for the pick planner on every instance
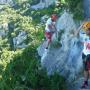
(48, 35)
(86, 61)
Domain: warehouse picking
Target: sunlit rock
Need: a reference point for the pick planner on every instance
(66, 58)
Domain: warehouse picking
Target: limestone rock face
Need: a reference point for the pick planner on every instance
(43, 4)
(19, 40)
(65, 59)
(6, 2)
(77, 85)
(86, 4)
(3, 29)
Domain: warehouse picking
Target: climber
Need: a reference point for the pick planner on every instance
(50, 29)
(86, 52)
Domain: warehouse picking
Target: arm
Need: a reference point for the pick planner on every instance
(78, 30)
(51, 27)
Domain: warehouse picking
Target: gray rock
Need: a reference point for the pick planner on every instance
(86, 4)
(6, 2)
(66, 59)
(3, 29)
(43, 4)
(19, 40)
(44, 18)
(77, 85)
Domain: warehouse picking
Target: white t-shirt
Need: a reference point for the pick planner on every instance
(86, 41)
(49, 22)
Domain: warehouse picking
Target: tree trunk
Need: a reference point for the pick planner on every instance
(10, 38)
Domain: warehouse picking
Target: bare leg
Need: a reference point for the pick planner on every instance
(89, 72)
(86, 75)
(48, 43)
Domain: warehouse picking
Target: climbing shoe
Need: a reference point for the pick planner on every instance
(84, 85)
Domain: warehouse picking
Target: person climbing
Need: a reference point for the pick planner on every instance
(86, 52)
(50, 29)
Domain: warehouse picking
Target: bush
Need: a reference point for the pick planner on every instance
(21, 70)
(24, 72)
(76, 7)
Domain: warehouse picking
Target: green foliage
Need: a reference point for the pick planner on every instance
(56, 43)
(23, 70)
(33, 2)
(4, 43)
(21, 23)
(37, 14)
(57, 82)
(76, 7)
(23, 1)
